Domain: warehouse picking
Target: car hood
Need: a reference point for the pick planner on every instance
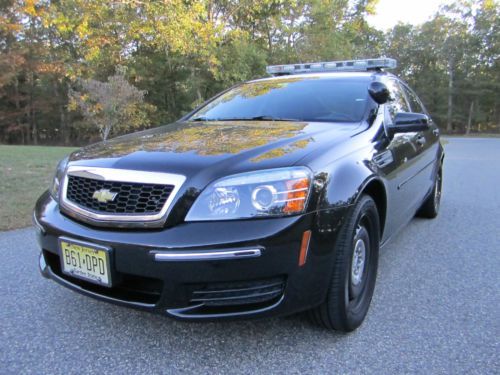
(191, 148)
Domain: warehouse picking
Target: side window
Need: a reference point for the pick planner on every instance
(415, 104)
(398, 101)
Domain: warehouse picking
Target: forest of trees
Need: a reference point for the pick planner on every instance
(169, 56)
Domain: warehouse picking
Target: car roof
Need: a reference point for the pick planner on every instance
(349, 74)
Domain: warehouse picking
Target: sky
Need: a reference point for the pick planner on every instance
(390, 12)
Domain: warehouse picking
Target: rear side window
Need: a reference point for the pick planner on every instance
(398, 102)
(414, 102)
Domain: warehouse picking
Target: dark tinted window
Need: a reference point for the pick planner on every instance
(397, 103)
(415, 105)
(301, 99)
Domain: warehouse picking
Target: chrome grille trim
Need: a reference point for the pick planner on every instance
(186, 256)
(120, 175)
(113, 197)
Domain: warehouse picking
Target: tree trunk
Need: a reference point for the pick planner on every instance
(19, 117)
(496, 115)
(63, 124)
(106, 130)
(469, 121)
(32, 110)
(105, 134)
(449, 125)
(31, 80)
(269, 39)
(16, 100)
(200, 97)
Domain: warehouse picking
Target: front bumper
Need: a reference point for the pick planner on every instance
(267, 282)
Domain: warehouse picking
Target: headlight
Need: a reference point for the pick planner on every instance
(273, 192)
(57, 179)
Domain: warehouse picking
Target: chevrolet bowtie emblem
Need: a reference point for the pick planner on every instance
(104, 195)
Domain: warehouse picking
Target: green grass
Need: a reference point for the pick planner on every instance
(25, 173)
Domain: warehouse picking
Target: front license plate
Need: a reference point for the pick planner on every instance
(85, 261)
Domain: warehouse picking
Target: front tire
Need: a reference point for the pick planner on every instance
(430, 207)
(354, 270)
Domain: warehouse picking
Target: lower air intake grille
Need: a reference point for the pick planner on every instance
(128, 197)
(239, 293)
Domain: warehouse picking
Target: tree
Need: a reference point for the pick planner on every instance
(452, 63)
(183, 52)
(113, 105)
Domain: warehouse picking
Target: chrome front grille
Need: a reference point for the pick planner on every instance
(128, 197)
(118, 196)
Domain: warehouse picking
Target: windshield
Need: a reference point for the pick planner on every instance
(312, 99)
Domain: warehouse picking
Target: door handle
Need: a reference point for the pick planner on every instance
(421, 140)
(435, 132)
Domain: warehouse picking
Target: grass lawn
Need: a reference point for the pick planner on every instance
(25, 173)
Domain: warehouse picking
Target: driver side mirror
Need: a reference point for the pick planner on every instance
(405, 122)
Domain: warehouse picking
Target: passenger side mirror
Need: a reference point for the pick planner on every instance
(379, 92)
(409, 122)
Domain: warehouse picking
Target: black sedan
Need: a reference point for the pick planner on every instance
(272, 198)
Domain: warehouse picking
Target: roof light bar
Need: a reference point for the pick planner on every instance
(333, 66)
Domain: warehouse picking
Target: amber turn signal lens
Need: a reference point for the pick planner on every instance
(296, 196)
(304, 247)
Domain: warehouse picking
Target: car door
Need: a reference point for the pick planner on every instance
(427, 143)
(398, 162)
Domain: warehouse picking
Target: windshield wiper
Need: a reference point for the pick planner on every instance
(201, 118)
(255, 118)
(270, 118)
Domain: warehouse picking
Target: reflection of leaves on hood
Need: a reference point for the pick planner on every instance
(214, 138)
(281, 151)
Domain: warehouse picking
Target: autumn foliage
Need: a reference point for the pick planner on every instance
(76, 71)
